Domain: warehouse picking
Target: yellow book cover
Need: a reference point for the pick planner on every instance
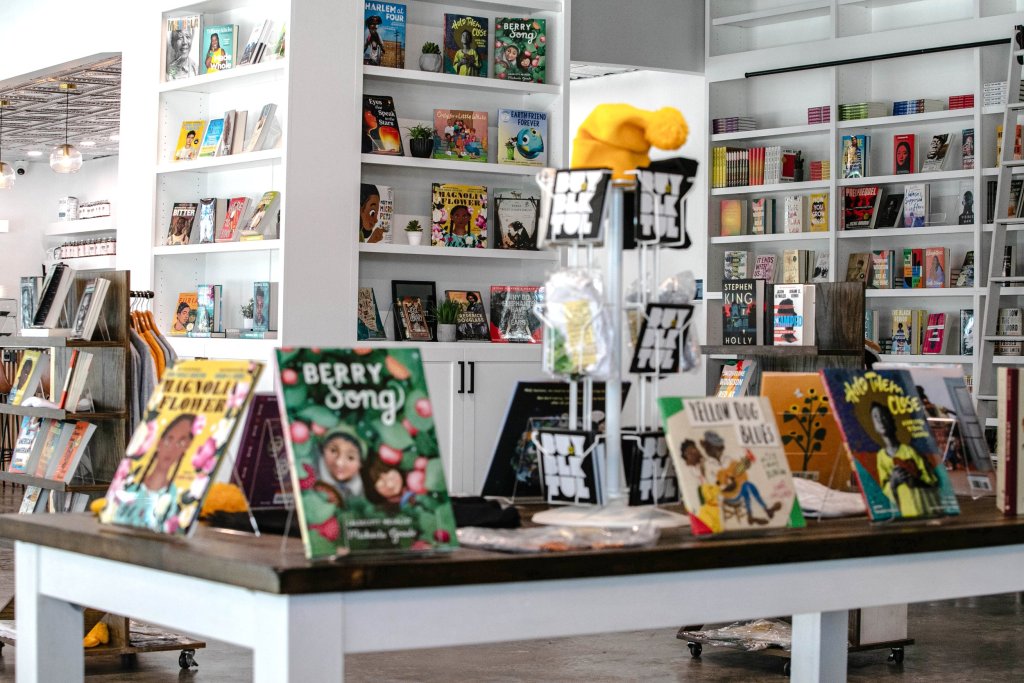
(458, 216)
(30, 371)
(819, 212)
(173, 455)
(189, 140)
(185, 314)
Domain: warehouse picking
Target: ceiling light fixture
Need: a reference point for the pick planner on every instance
(65, 158)
(34, 153)
(88, 143)
(6, 171)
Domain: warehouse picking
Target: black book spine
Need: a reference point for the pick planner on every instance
(46, 300)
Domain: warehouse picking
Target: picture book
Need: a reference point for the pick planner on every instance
(183, 215)
(891, 211)
(810, 436)
(569, 466)
(381, 134)
(263, 223)
(384, 34)
(858, 268)
(212, 138)
(31, 367)
(185, 313)
(174, 453)
(736, 264)
(967, 148)
(736, 378)
(903, 159)
(647, 464)
(460, 135)
(894, 456)
(937, 157)
(513, 318)
(182, 47)
(915, 205)
(458, 216)
(523, 136)
(412, 313)
(189, 140)
(369, 325)
(471, 324)
(219, 47)
(376, 210)
(363, 449)
(261, 467)
(208, 313)
(794, 221)
(793, 315)
(855, 155)
(210, 216)
(935, 267)
(730, 462)
(819, 212)
(465, 45)
(575, 210)
(520, 49)
(860, 206)
(743, 312)
(732, 217)
(762, 216)
(237, 206)
(517, 212)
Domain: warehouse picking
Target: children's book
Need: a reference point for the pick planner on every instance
(381, 134)
(369, 325)
(520, 49)
(460, 135)
(522, 137)
(219, 47)
(517, 212)
(465, 45)
(185, 313)
(458, 216)
(261, 468)
(182, 47)
(183, 216)
(512, 314)
(209, 217)
(471, 324)
(728, 456)
(189, 140)
(376, 209)
(176, 449)
(384, 34)
(212, 139)
(362, 445)
(237, 207)
(894, 456)
(30, 371)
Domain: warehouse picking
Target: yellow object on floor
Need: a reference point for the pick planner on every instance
(96, 507)
(224, 497)
(99, 635)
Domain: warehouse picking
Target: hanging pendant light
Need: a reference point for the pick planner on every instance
(6, 172)
(65, 158)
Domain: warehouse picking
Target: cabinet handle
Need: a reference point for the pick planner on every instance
(462, 377)
(472, 376)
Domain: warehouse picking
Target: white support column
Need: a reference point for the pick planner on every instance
(49, 630)
(303, 639)
(819, 647)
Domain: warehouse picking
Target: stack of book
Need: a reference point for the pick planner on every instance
(50, 449)
(738, 167)
(995, 93)
(907, 268)
(1008, 324)
(905, 107)
(862, 110)
(733, 124)
(821, 170)
(961, 101)
(822, 114)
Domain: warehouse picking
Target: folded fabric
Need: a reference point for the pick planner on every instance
(819, 500)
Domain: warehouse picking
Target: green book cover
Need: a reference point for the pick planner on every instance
(218, 48)
(363, 451)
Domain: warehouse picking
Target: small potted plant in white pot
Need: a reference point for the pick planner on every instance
(447, 318)
(430, 60)
(247, 313)
(421, 141)
(414, 232)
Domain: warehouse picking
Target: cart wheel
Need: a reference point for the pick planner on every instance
(896, 655)
(786, 667)
(129, 661)
(695, 649)
(187, 659)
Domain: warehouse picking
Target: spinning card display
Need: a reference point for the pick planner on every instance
(578, 340)
(576, 207)
(568, 465)
(649, 471)
(660, 212)
(662, 335)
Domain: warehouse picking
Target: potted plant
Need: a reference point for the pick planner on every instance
(421, 141)
(247, 313)
(414, 232)
(430, 60)
(447, 316)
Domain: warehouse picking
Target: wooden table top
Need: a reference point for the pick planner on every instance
(261, 564)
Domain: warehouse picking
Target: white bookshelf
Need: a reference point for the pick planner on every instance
(232, 162)
(83, 226)
(217, 248)
(443, 165)
(429, 252)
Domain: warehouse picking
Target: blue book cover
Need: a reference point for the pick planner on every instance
(523, 136)
(214, 132)
(262, 307)
(219, 47)
(384, 34)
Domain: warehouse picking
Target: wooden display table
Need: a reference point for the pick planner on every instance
(301, 618)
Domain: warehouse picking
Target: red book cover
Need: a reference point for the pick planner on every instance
(934, 334)
(903, 157)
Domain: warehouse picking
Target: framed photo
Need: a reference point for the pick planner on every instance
(402, 292)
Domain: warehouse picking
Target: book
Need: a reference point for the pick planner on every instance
(31, 287)
(736, 265)
(517, 213)
(238, 132)
(381, 134)
(937, 157)
(209, 215)
(732, 217)
(935, 334)
(219, 47)
(965, 278)
(810, 436)
(891, 211)
(185, 313)
(913, 274)
(376, 209)
(55, 439)
(935, 267)
(513, 318)
(212, 138)
(892, 451)
(465, 45)
(68, 374)
(90, 305)
(1009, 263)
(520, 49)
(794, 266)
(264, 306)
(855, 151)
(369, 325)
(882, 269)
(33, 501)
(650, 475)
(261, 137)
(460, 135)
(30, 371)
(233, 216)
(966, 336)
(263, 223)
(183, 216)
(53, 295)
(189, 139)
(764, 267)
(373, 478)
(384, 34)
(903, 159)
(858, 268)
(967, 148)
(21, 457)
(915, 205)
(78, 376)
(966, 194)
(208, 311)
(821, 267)
(732, 470)
(458, 215)
(182, 47)
(819, 212)
(735, 378)
(522, 136)
(871, 325)
(794, 212)
(261, 467)
(256, 44)
(175, 451)
(1009, 486)
(412, 317)
(1008, 324)
(793, 315)
(471, 324)
(743, 312)
(762, 216)
(902, 332)
(860, 206)
(227, 140)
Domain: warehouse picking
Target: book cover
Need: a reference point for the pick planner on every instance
(936, 272)
(219, 47)
(458, 215)
(513, 318)
(471, 324)
(967, 148)
(569, 466)
(517, 213)
(810, 436)
(819, 212)
(384, 34)
(264, 306)
(261, 468)
(735, 265)
(263, 223)
(965, 278)
(29, 432)
(934, 334)
(189, 139)
(891, 211)
(520, 49)
(182, 47)
(764, 267)
(523, 137)
(31, 287)
(363, 449)
(78, 329)
(209, 216)
(461, 135)
(647, 464)
(882, 270)
(732, 470)
(465, 45)
(859, 207)
(376, 209)
(966, 332)
(732, 217)
(892, 451)
(212, 138)
(54, 293)
(79, 435)
(821, 267)
(937, 157)
(34, 499)
(793, 315)
(381, 134)
(903, 159)
(735, 378)
(911, 269)
(902, 332)
(30, 371)
(176, 449)
(742, 306)
(966, 196)
(794, 214)
(183, 215)
(1008, 324)
(236, 209)
(227, 140)
(369, 324)
(855, 155)
(762, 216)
(207, 305)
(794, 263)
(915, 205)
(261, 136)
(185, 313)
(412, 314)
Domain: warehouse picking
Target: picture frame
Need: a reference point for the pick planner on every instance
(424, 290)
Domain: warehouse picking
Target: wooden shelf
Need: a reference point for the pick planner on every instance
(409, 251)
(932, 176)
(249, 75)
(217, 248)
(777, 15)
(781, 131)
(774, 188)
(926, 292)
(906, 232)
(775, 237)
(58, 414)
(776, 351)
(83, 226)
(430, 78)
(55, 343)
(907, 119)
(52, 484)
(232, 162)
(444, 165)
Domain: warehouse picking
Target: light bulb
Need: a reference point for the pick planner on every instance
(6, 176)
(65, 159)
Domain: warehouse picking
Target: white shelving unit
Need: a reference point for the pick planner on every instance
(84, 226)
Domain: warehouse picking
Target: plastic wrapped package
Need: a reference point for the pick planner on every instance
(750, 635)
(578, 336)
(680, 288)
(557, 539)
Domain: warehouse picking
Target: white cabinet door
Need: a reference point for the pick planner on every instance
(444, 380)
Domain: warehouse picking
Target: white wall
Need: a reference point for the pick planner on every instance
(653, 90)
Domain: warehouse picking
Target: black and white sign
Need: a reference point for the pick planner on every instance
(649, 470)
(660, 207)
(577, 205)
(568, 466)
(659, 347)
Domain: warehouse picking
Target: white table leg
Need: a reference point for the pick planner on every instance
(49, 630)
(304, 638)
(819, 647)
